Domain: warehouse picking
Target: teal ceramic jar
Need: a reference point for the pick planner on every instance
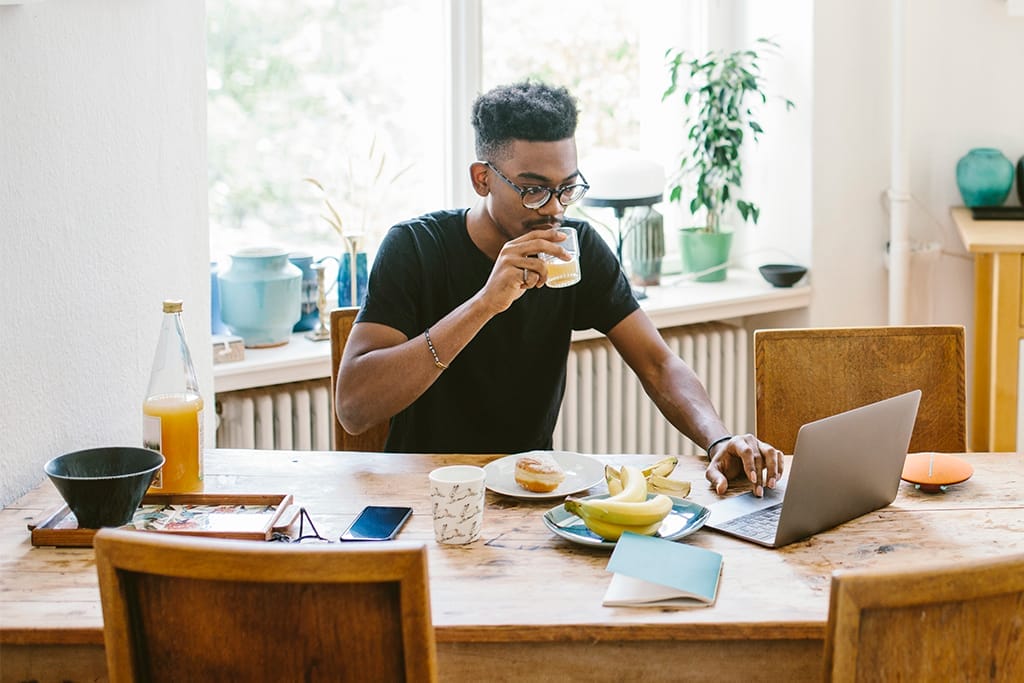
(261, 296)
(1020, 180)
(984, 176)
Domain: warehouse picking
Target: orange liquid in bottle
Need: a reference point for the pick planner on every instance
(173, 425)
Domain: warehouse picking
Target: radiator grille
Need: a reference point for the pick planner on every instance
(295, 416)
(605, 409)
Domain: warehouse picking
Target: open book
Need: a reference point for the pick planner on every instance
(652, 572)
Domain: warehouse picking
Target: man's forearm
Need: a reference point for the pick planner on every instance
(667, 380)
(683, 400)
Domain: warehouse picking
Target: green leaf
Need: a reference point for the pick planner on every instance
(717, 116)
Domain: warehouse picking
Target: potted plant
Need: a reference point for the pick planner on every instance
(718, 113)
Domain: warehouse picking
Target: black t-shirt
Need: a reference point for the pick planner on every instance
(502, 393)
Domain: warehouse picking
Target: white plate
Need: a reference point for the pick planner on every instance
(685, 518)
(581, 473)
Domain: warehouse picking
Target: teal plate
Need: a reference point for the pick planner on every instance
(685, 518)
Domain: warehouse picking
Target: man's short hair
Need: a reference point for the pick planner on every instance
(536, 112)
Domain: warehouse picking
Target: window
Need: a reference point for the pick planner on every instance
(347, 92)
(355, 94)
(610, 55)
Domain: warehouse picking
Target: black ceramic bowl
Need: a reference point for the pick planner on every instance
(104, 486)
(782, 274)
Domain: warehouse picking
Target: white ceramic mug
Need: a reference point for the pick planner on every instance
(457, 499)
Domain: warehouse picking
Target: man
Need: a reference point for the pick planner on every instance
(462, 346)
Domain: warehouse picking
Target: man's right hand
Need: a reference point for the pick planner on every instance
(518, 269)
(745, 456)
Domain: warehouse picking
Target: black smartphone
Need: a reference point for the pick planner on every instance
(377, 523)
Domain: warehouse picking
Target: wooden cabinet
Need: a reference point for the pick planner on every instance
(998, 248)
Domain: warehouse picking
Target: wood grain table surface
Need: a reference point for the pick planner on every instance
(521, 603)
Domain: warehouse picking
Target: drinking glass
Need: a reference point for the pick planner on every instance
(564, 273)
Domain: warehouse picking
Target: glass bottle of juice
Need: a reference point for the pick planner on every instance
(172, 414)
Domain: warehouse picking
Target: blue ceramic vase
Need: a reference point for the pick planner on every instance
(216, 324)
(345, 279)
(308, 313)
(984, 176)
(260, 296)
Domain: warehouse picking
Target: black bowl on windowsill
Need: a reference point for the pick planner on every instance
(782, 274)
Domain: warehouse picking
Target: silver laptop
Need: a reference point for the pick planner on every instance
(843, 467)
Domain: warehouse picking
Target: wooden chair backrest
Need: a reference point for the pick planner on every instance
(802, 375)
(954, 622)
(372, 440)
(184, 608)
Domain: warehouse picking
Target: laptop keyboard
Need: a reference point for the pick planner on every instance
(760, 524)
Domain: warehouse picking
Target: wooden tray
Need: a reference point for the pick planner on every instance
(250, 516)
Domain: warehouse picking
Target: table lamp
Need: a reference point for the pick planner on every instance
(620, 180)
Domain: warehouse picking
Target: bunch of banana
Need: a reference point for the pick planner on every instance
(656, 475)
(628, 510)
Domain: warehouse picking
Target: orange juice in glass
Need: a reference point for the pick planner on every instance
(564, 273)
(173, 425)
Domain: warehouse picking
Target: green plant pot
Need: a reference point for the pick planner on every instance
(704, 250)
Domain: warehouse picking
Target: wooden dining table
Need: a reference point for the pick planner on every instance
(520, 603)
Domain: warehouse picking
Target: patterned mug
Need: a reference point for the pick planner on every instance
(457, 499)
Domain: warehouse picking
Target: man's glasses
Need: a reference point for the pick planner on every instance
(536, 196)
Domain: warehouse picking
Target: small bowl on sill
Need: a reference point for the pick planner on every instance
(782, 274)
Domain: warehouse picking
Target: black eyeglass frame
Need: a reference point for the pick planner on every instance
(556, 192)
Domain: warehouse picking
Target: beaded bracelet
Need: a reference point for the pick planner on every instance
(433, 352)
(716, 442)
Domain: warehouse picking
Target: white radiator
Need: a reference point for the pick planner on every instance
(294, 416)
(605, 409)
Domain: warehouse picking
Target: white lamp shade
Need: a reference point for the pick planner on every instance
(620, 174)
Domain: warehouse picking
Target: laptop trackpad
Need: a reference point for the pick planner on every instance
(744, 504)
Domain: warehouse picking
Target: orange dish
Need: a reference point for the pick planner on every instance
(934, 471)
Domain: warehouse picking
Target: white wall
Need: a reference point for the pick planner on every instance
(964, 60)
(962, 90)
(102, 216)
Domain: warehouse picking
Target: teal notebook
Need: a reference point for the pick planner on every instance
(652, 572)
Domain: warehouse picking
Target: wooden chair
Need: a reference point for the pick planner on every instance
(372, 440)
(955, 622)
(181, 608)
(802, 375)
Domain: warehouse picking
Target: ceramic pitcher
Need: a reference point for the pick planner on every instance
(260, 296)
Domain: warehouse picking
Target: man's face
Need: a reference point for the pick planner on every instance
(549, 165)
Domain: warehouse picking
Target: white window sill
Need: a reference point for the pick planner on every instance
(676, 302)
